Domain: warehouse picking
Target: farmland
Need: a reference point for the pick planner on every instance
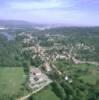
(11, 80)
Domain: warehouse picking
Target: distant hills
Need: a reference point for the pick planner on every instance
(14, 23)
(24, 24)
(18, 23)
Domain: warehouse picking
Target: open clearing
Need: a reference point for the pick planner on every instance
(11, 80)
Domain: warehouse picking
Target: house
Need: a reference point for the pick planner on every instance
(66, 78)
(35, 75)
(47, 67)
(35, 71)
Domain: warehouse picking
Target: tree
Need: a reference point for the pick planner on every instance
(59, 91)
(68, 89)
(26, 67)
(36, 61)
(32, 97)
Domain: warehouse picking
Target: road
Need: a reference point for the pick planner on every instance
(76, 61)
(30, 94)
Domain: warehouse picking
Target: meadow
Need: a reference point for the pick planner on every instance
(11, 80)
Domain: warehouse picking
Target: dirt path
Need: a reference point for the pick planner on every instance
(78, 61)
(27, 96)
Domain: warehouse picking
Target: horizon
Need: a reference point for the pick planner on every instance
(52, 12)
(10, 21)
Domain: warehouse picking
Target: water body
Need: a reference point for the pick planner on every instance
(8, 35)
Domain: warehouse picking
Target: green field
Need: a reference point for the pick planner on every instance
(90, 78)
(11, 80)
(64, 66)
(46, 94)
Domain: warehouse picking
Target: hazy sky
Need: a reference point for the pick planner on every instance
(66, 12)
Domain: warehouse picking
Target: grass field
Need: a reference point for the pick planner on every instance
(90, 78)
(11, 80)
(46, 94)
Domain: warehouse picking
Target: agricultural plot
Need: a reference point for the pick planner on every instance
(11, 80)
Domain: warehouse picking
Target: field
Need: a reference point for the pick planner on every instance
(90, 78)
(46, 94)
(11, 80)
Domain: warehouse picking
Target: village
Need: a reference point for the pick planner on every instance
(39, 77)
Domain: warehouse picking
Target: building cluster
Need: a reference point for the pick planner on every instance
(37, 78)
(46, 54)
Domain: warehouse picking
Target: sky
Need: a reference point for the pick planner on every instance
(61, 12)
